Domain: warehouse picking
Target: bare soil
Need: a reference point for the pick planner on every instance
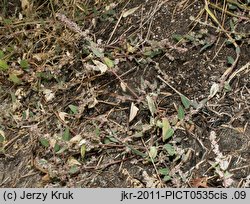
(192, 72)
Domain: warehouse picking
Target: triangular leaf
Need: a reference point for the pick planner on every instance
(133, 111)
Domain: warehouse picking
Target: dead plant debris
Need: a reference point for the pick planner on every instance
(124, 93)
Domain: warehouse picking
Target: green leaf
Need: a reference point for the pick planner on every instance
(190, 38)
(66, 135)
(57, 147)
(185, 101)
(97, 51)
(167, 178)
(74, 109)
(232, 7)
(232, 26)
(159, 124)
(167, 131)
(177, 37)
(106, 140)
(153, 152)
(44, 142)
(152, 53)
(1, 54)
(207, 45)
(108, 62)
(2, 138)
(3, 65)
(61, 150)
(7, 21)
(24, 64)
(112, 139)
(137, 152)
(97, 130)
(170, 149)
(74, 169)
(227, 87)
(14, 79)
(164, 171)
(230, 60)
(83, 151)
(181, 113)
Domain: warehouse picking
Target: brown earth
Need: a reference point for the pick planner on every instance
(192, 72)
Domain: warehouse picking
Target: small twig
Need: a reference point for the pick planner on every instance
(8, 144)
(117, 23)
(156, 170)
(175, 90)
(104, 166)
(159, 6)
(130, 70)
(239, 168)
(64, 124)
(246, 66)
(125, 84)
(228, 72)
